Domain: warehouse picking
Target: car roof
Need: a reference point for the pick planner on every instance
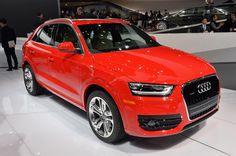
(86, 21)
(226, 4)
(214, 6)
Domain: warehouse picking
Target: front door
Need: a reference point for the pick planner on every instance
(67, 66)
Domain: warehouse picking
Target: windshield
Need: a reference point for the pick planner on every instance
(115, 37)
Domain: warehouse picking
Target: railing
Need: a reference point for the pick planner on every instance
(178, 29)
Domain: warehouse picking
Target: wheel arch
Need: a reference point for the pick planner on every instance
(91, 88)
(108, 91)
(24, 64)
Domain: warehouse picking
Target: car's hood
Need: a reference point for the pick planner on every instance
(160, 65)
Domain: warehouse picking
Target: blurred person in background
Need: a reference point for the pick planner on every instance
(151, 14)
(39, 20)
(215, 27)
(102, 14)
(145, 21)
(140, 22)
(209, 7)
(133, 20)
(209, 2)
(166, 12)
(204, 28)
(8, 43)
(80, 14)
(159, 15)
(93, 14)
(233, 22)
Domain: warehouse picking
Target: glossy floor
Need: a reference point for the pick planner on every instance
(49, 126)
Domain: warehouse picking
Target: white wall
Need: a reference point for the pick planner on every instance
(213, 47)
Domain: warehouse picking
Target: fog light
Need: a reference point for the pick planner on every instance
(158, 123)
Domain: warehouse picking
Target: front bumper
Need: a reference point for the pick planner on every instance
(160, 116)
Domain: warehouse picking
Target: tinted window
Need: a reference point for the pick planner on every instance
(187, 12)
(199, 11)
(115, 37)
(46, 35)
(217, 11)
(66, 34)
(229, 8)
(36, 35)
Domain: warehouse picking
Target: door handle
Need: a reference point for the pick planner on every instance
(50, 59)
(32, 52)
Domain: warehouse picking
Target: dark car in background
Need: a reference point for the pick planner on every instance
(194, 15)
(231, 8)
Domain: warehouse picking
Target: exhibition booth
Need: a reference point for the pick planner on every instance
(104, 87)
(217, 48)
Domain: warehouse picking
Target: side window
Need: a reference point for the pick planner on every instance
(217, 11)
(187, 12)
(35, 38)
(199, 11)
(65, 33)
(127, 34)
(46, 35)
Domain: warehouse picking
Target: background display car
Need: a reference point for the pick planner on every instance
(194, 15)
(124, 79)
(231, 8)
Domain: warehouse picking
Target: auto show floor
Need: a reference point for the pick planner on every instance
(49, 126)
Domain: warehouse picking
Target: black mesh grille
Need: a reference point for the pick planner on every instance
(155, 123)
(201, 96)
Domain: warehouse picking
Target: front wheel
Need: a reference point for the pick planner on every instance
(104, 117)
(31, 84)
(162, 25)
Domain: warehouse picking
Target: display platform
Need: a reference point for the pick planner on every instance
(49, 126)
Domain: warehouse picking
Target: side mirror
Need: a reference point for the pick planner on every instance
(67, 47)
(154, 38)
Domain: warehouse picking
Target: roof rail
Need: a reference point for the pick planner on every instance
(56, 19)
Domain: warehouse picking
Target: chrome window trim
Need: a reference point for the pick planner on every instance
(58, 23)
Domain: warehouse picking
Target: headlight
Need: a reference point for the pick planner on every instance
(141, 89)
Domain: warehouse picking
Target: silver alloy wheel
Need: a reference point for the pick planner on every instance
(101, 117)
(161, 26)
(28, 79)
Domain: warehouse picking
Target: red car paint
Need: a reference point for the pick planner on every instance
(69, 75)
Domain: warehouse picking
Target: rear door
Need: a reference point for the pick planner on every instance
(41, 47)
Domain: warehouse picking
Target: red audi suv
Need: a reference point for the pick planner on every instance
(124, 79)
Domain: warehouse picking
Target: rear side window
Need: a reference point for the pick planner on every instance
(46, 35)
(187, 12)
(199, 11)
(66, 33)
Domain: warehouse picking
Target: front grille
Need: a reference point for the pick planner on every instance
(201, 96)
(157, 123)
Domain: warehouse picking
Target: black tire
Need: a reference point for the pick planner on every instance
(118, 129)
(36, 89)
(161, 25)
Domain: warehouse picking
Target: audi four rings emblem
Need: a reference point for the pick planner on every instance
(204, 87)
